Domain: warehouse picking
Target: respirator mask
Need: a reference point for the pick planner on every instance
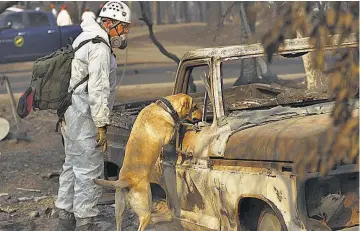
(118, 40)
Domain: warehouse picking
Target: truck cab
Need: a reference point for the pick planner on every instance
(28, 34)
(235, 169)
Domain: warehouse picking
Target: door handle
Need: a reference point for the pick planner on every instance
(22, 33)
(51, 31)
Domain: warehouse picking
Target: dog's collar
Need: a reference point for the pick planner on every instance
(166, 105)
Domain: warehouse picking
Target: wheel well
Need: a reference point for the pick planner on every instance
(111, 171)
(157, 192)
(249, 210)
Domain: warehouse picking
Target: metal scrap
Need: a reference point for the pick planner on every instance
(36, 199)
(21, 131)
(328, 206)
(29, 189)
(4, 194)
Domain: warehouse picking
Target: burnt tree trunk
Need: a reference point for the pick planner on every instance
(203, 10)
(315, 78)
(200, 10)
(159, 11)
(172, 13)
(155, 12)
(248, 73)
(178, 18)
(185, 9)
(166, 11)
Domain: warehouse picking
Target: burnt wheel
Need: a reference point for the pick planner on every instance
(269, 221)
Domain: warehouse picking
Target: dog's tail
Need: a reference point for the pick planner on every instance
(110, 183)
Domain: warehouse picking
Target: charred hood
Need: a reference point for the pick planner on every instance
(280, 133)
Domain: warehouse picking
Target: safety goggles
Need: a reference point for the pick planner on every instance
(123, 25)
(119, 28)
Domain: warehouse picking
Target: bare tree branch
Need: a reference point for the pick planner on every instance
(148, 22)
(221, 22)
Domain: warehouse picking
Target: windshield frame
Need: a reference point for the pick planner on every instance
(222, 90)
(220, 99)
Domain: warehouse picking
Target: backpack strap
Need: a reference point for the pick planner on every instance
(97, 39)
(67, 101)
(79, 83)
(82, 44)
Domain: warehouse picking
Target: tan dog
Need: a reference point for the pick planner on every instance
(153, 129)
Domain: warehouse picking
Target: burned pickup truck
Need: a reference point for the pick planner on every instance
(234, 170)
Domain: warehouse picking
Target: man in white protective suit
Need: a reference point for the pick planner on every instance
(85, 121)
(63, 18)
(53, 10)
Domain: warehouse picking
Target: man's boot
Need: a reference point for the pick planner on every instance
(86, 224)
(66, 222)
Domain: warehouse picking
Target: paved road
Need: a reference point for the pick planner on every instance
(145, 74)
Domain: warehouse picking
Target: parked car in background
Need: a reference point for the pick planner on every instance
(26, 35)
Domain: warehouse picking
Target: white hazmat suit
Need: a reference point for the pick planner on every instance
(63, 18)
(84, 162)
(54, 12)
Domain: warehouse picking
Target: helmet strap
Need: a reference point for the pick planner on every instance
(115, 26)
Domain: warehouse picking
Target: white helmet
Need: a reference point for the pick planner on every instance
(116, 10)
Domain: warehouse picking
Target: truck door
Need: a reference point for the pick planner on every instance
(42, 37)
(12, 44)
(194, 201)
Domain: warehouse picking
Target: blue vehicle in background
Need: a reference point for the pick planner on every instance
(26, 35)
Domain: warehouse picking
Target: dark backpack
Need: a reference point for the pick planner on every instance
(50, 81)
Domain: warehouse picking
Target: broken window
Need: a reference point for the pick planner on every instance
(200, 74)
(242, 81)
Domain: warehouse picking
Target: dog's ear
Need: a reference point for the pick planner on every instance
(186, 103)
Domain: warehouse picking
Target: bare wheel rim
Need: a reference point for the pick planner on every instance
(269, 222)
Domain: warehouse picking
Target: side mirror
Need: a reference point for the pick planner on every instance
(6, 25)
